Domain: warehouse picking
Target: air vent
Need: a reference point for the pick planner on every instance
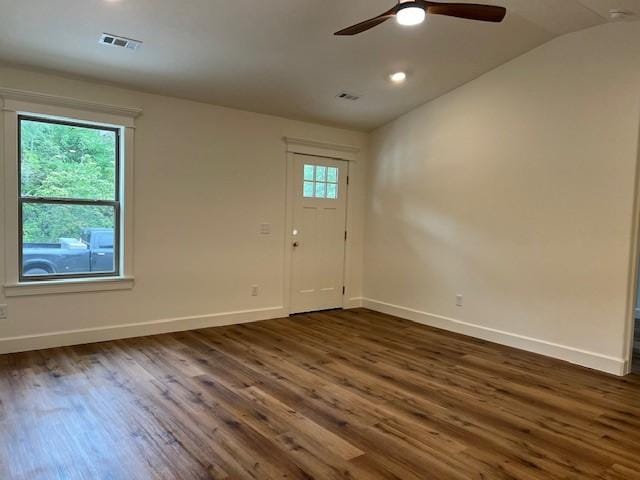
(348, 96)
(116, 41)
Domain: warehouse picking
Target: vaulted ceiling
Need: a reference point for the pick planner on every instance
(279, 56)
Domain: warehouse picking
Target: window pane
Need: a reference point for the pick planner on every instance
(332, 190)
(321, 190)
(308, 172)
(307, 190)
(321, 173)
(64, 161)
(332, 174)
(67, 239)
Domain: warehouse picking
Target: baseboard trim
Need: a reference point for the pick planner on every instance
(615, 366)
(353, 302)
(103, 334)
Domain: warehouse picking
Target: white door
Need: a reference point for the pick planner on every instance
(318, 235)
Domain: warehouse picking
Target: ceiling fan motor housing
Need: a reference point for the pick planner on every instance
(410, 4)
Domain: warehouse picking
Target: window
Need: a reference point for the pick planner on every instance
(69, 199)
(320, 182)
(68, 167)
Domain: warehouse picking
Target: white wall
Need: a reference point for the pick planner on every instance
(517, 191)
(206, 177)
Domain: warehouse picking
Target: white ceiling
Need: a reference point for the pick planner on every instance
(279, 56)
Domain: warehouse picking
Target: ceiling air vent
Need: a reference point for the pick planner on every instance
(116, 41)
(348, 96)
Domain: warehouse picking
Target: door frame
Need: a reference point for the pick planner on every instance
(349, 153)
(634, 272)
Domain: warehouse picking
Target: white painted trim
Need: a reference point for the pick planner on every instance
(102, 334)
(58, 112)
(288, 225)
(11, 108)
(353, 302)
(127, 233)
(632, 279)
(318, 148)
(53, 287)
(9, 159)
(350, 251)
(288, 240)
(616, 366)
(321, 149)
(13, 97)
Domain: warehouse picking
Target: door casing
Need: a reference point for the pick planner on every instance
(298, 146)
(327, 277)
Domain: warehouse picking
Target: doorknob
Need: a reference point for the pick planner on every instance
(295, 244)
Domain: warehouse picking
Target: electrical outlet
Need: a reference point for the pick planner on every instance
(254, 290)
(459, 300)
(3, 311)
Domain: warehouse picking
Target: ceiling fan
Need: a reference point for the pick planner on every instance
(413, 12)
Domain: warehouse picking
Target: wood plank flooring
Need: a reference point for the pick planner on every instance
(329, 395)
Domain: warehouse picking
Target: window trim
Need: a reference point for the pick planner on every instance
(115, 203)
(18, 102)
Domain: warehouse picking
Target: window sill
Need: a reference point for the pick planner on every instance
(52, 287)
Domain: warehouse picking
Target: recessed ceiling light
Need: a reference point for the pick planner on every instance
(412, 14)
(398, 77)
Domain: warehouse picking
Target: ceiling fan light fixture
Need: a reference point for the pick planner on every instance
(410, 15)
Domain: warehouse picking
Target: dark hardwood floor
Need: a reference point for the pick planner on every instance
(333, 395)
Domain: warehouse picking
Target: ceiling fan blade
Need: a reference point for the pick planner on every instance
(367, 24)
(470, 11)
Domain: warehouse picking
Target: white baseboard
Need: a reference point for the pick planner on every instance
(102, 334)
(353, 302)
(597, 361)
(616, 366)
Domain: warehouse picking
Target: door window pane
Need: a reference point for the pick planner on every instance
(308, 190)
(332, 190)
(308, 172)
(320, 182)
